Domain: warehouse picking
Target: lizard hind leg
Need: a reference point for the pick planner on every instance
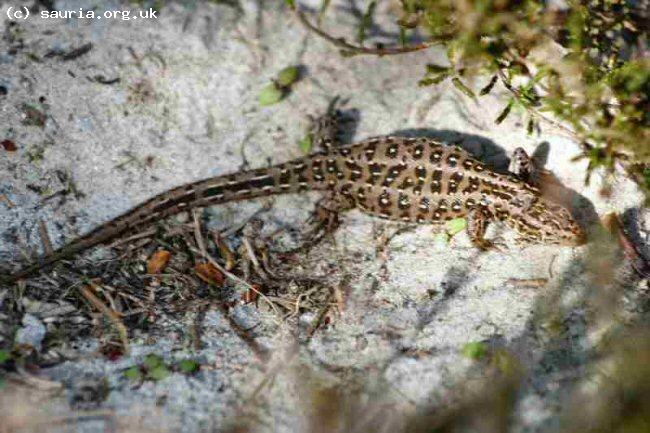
(325, 219)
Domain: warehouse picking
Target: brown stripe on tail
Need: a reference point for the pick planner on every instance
(289, 177)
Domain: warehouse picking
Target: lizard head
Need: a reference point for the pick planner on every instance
(550, 223)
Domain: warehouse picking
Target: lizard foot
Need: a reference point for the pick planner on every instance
(524, 167)
(491, 245)
(477, 222)
(332, 128)
(323, 222)
(325, 219)
(324, 130)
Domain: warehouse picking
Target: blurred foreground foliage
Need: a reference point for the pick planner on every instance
(580, 65)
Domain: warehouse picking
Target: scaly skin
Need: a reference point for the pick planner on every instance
(406, 179)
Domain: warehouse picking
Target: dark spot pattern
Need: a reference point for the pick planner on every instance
(392, 174)
(417, 151)
(384, 200)
(403, 201)
(436, 182)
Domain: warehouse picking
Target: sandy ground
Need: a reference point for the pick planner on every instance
(185, 107)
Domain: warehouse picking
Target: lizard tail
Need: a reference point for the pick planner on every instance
(294, 176)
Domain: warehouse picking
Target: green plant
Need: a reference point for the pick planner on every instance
(578, 65)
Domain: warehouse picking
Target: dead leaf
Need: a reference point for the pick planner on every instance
(226, 253)
(158, 261)
(208, 273)
(9, 145)
(251, 295)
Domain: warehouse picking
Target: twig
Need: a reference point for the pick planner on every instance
(225, 251)
(338, 293)
(253, 258)
(4, 198)
(536, 113)
(108, 296)
(128, 296)
(294, 307)
(586, 147)
(45, 238)
(531, 282)
(74, 418)
(236, 228)
(109, 313)
(319, 318)
(195, 330)
(214, 263)
(356, 49)
(144, 234)
(40, 383)
(197, 232)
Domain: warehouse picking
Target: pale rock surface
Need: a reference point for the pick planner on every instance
(198, 70)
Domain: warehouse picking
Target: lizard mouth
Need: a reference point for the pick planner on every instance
(576, 240)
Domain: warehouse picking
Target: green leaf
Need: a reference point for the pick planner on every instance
(4, 356)
(530, 127)
(270, 95)
(504, 113)
(474, 350)
(159, 373)
(288, 76)
(528, 95)
(436, 69)
(306, 144)
(487, 89)
(189, 366)
(433, 80)
(290, 3)
(133, 373)
(152, 361)
(366, 21)
(463, 88)
(455, 226)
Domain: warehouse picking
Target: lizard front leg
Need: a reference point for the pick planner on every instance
(325, 130)
(334, 128)
(477, 222)
(522, 166)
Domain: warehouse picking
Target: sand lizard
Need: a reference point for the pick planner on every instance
(416, 180)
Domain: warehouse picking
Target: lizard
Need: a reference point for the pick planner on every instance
(410, 179)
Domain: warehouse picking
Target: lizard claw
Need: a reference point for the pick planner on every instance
(488, 245)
